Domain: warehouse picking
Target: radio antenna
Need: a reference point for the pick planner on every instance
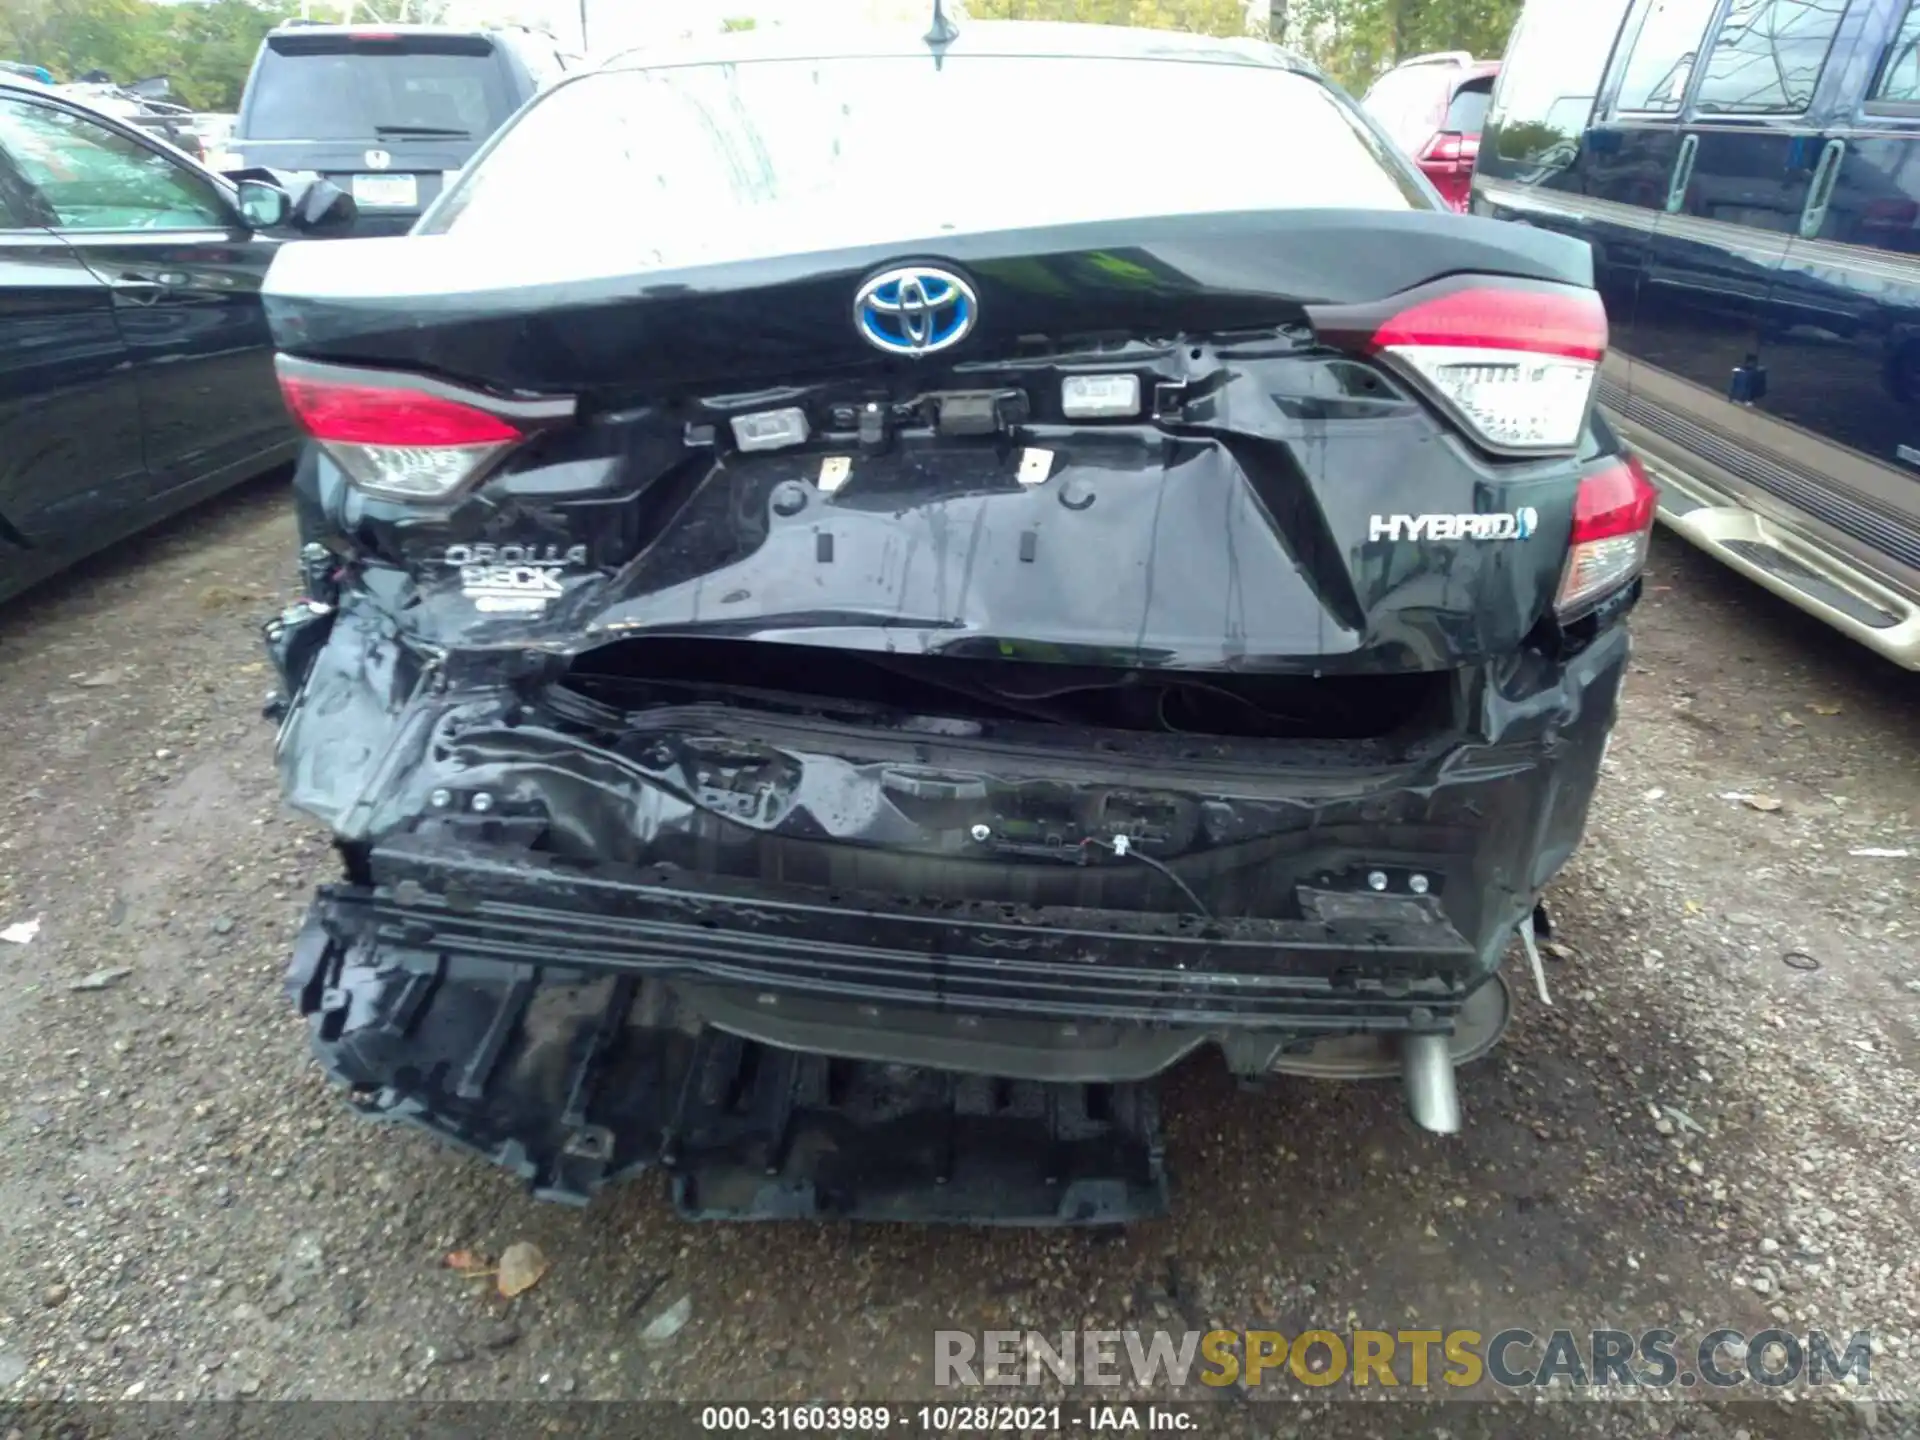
(941, 34)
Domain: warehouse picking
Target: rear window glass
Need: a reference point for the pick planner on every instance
(341, 90)
(1550, 79)
(1663, 53)
(1768, 56)
(694, 164)
(1468, 112)
(1899, 82)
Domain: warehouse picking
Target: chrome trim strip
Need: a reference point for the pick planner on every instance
(1566, 206)
(1875, 505)
(1716, 524)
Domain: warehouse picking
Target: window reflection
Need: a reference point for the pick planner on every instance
(96, 179)
(698, 163)
(1768, 56)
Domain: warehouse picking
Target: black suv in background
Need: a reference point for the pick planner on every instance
(389, 113)
(1746, 174)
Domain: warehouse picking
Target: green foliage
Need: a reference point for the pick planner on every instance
(1202, 17)
(402, 12)
(1529, 140)
(204, 48)
(1355, 40)
(745, 22)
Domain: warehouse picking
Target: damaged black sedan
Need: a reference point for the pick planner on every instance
(864, 601)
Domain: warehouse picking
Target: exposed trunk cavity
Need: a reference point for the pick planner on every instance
(898, 690)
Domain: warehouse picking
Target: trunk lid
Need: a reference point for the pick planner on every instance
(592, 321)
(1198, 424)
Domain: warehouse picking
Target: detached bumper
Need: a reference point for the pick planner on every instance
(792, 977)
(984, 1067)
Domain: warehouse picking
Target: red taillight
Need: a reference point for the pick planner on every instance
(369, 415)
(1619, 500)
(1448, 145)
(1514, 361)
(1454, 182)
(1565, 322)
(1612, 517)
(404, 436)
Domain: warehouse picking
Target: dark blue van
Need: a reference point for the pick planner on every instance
(1748, 172)
(390, 113)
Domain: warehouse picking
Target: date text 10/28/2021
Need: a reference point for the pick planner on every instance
(962, 1419)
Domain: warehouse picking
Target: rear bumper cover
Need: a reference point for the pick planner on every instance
(784, 971)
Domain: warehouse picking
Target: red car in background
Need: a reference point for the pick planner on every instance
(1432, 106)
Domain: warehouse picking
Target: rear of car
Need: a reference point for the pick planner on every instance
(1433, 107)
(388, 113)
(830, 679)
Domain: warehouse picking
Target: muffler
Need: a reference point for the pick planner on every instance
(1426, 1069)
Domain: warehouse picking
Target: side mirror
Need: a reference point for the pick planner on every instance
(320, 205)
(279, 199)
(264, 206)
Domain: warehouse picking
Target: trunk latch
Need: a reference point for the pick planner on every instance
(979, 412)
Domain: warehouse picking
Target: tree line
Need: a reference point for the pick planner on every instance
(207, 46)
(1353, 40)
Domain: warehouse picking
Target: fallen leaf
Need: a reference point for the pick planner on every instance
(521, 1266)
(1820, 709)
(101, 979)
(1557, 950)
(1792, 721)
(465, 1261)
(660, 1330)
(1760, 802)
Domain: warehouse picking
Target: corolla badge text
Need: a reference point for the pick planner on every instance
(512, 579)
(1515, 525)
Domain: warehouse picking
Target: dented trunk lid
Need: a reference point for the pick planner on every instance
(1274, 501)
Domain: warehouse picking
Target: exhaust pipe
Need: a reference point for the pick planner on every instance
(1426, 1068)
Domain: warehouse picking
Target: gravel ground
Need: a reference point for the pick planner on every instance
(1713, 1124)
